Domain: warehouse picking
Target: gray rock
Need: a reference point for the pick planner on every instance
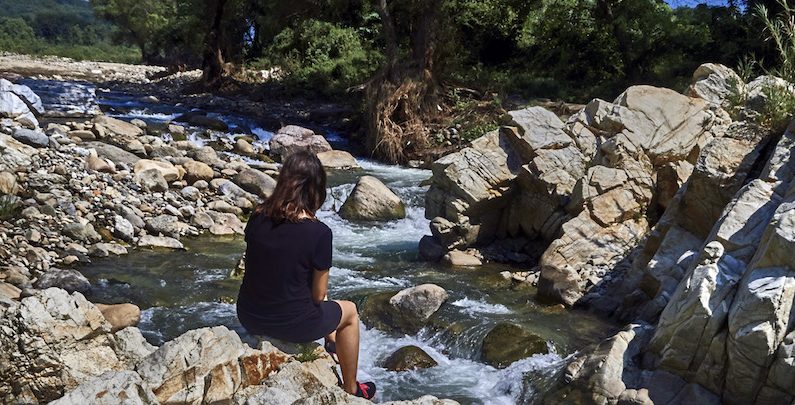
(110, 388)
(419, 302)
(33, 138)
(130, 215)
(256, 182)
(292, 138)
(409, 358)
(15, 154)
(84, 233)
(717, 84)
(430, 249)
(159, 242)
(507, 343)
(191, 193)
(151, 180)
(371, 200)
(123, 229)
(67, 279)
(113, 153)
(167, 225)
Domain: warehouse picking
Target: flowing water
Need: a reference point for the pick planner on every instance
(182, 290)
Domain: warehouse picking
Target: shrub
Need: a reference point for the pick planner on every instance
(321, 55)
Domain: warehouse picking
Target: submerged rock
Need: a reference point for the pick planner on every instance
(507, 343)
(408, 358)
(371, 200)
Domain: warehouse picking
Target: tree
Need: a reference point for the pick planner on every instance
(402, 98)
(143, 22)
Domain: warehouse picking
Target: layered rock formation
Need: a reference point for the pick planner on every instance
(711, 289)
(550, 183)
(58, 347)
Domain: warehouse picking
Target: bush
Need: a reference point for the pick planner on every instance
(324, 56)
(780, 100)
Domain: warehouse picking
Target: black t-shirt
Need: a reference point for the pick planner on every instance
(280, 259)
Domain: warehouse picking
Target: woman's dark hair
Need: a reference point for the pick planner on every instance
(301, 189)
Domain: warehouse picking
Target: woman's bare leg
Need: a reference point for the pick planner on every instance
(347, 339)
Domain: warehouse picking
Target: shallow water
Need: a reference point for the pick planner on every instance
(182, 290)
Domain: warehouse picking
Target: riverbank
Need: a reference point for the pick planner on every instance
(88, 189)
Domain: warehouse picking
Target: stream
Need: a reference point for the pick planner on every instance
(183, 290)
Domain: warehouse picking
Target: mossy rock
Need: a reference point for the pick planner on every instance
(409, 358)
(507, 343)
(376, 312)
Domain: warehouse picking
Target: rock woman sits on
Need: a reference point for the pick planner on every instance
(288, 256)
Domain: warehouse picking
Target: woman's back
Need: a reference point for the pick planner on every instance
(280, 259)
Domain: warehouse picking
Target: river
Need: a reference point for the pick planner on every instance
(182, 290)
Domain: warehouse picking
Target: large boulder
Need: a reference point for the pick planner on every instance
(292, 138)
(52, 342)
(256, 182)
(759, 91)
(419, 302)
(206, 366)
(716, 83)
(19, 102)
(506, 343)
(371, 200)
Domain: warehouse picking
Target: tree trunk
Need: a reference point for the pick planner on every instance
(401, 99)
(213, 58)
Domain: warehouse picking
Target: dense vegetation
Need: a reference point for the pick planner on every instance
(60, 27)
(417, 63)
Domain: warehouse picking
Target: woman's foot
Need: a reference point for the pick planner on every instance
(365, 390)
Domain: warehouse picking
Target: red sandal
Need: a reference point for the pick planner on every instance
(365, 390)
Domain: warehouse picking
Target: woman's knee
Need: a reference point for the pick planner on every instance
(349, 311)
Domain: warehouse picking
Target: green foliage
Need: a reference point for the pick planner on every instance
(779, 106)
(322, 56)
(9, 206)
(307, 352)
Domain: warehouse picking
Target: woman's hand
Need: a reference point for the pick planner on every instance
(319, 285)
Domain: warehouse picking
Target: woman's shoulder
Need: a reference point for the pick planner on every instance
(319, 226)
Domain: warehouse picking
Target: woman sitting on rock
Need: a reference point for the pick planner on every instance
(288, 256)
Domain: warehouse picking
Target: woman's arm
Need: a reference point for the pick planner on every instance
(319, 285)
